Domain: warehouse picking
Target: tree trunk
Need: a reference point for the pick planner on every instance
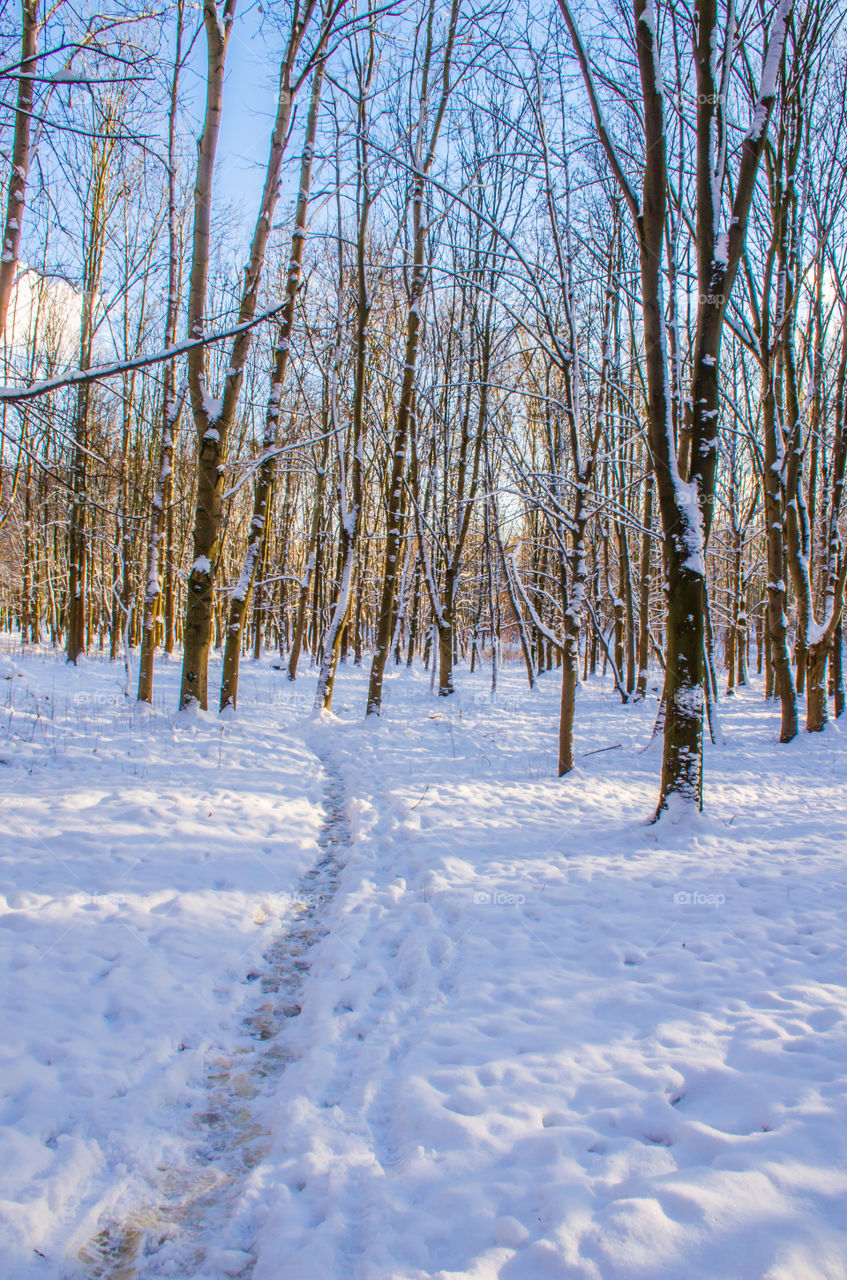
(160, 515)
(16, 189)
(263, 489)
(212, 418)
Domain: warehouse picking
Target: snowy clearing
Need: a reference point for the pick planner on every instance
(533, 1035)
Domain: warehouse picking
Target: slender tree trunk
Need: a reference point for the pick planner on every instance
(259, 599)
(77, 527)
(160, 514)
(644, 590)
(197, 628)
(350, 501)
(396, 514)
(777, 607)
(838, 668)
(264, 481)
(311, 553)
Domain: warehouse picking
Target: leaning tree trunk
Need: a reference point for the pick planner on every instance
(264, 481)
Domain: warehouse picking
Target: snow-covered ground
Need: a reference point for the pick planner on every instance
(534, 1036)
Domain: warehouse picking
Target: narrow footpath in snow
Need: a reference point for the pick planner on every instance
(176, 1231)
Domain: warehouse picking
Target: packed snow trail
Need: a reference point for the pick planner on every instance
(192, 1207)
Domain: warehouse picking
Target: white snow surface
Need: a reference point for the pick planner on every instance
(538, 1038)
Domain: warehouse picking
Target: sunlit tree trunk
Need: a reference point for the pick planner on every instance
(263, 486)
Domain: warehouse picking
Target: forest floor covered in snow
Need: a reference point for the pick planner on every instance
(318, 999)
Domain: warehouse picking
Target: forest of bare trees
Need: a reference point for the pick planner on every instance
(526, 339)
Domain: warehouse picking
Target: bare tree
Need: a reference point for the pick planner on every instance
(19, 172)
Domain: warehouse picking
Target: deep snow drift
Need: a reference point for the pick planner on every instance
(521, 1033)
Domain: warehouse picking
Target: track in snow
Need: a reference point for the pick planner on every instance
(176, 1230)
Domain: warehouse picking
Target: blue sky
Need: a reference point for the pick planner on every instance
(252, 70)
